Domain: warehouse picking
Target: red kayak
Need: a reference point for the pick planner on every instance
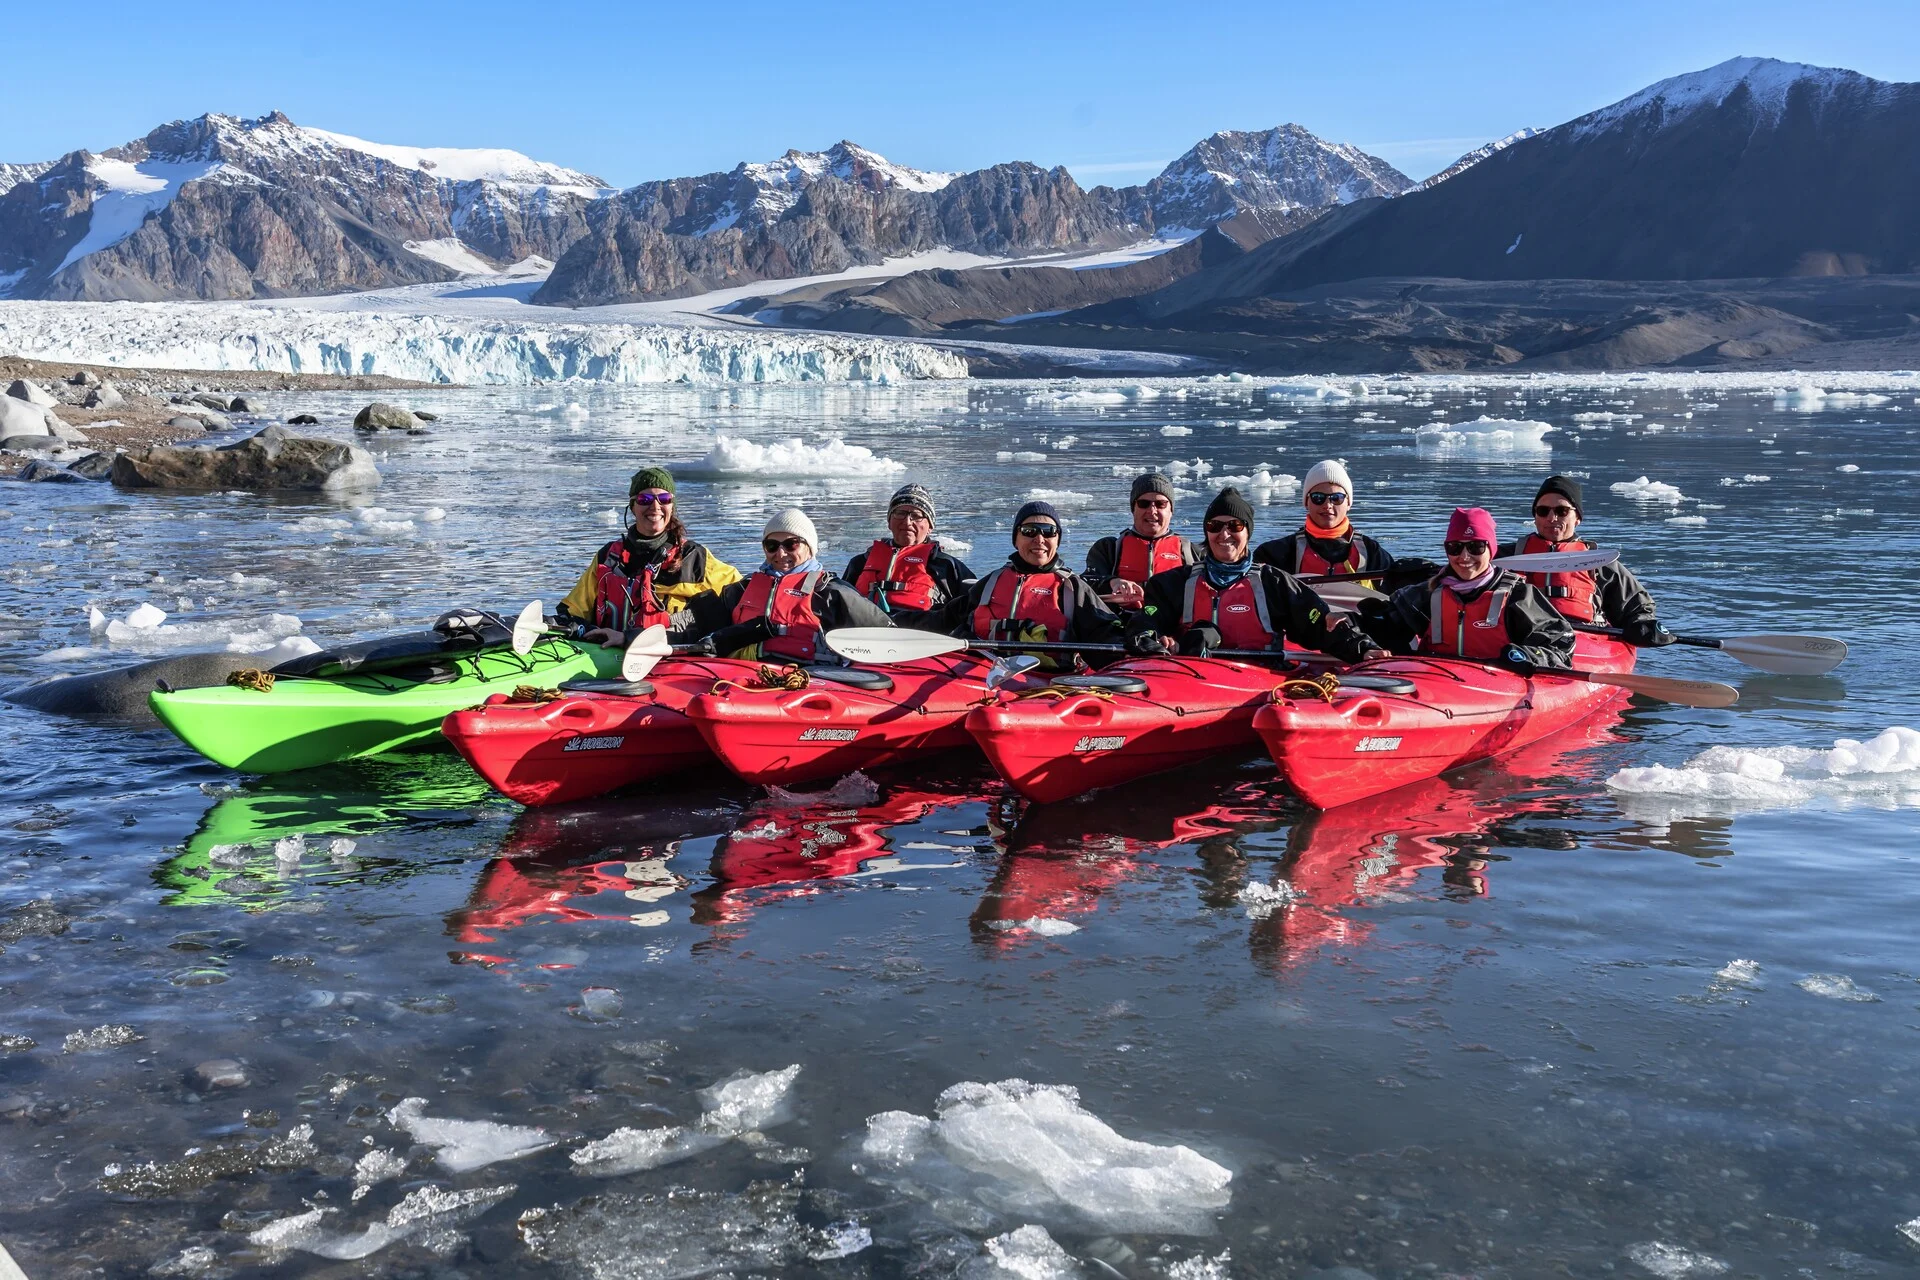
(1421, 716)
(603, 735)
(844, 719)
(1137, 717)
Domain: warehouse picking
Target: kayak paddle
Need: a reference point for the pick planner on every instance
(529, 627)
(1685, 693)
(1535, 562)
(647, 649)
(1782, 655)
(877, 645)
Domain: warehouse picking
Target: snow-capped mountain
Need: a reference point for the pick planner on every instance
(222, 207)
(1752, 168)
(1271, 177)
(1476, 155)
(11, 175)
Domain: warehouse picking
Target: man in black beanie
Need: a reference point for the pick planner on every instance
(1034, 596)
(1227, 601)
(1609, 594)
(1119, 566)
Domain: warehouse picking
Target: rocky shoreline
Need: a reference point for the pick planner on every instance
(118, 408)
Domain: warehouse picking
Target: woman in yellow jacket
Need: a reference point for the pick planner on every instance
(646, 574)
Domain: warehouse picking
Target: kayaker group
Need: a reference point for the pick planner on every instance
(1146, 588)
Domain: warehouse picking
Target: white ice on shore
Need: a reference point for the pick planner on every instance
(1029, 1150)
(1882, 771)
(1482, 435)
(449, 348)
(460, 1145)
(737, 458)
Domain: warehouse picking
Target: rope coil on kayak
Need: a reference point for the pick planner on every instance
(534, 693)
(251, 678)
(790, 677)
(1051, 692)
(1322, 686)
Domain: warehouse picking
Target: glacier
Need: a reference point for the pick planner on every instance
(448, 349)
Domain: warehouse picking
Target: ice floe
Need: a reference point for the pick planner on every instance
(1812, 399)
(737, 458)
(1882, 771)
(1033, 1151)
(422, 1209)
(743, 1103)
(682, 1233)
(1025, 1253)
(1042, 926)
(1647, 491)
(1060, 497)
(1836, 986)
(1019, 455)
(1262, 900)
(1671, 1262)
(1482, 435)
(460, 1145)
(1175, 429)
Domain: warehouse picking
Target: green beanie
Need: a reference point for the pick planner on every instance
(651, 478)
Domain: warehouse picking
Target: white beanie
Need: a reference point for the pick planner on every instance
(1329, 471)
(793, 522)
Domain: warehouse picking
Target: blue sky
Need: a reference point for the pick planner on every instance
(1112, 90)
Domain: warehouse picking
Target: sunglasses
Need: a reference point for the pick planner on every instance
(783, 544)
(1225, 526)
(650, 499)
(1158, 504)
(1553, 512)
(1038, 531)
(1472, 547)
(1333, 499)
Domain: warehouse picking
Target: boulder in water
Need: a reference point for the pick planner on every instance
(122, 692)
(49, 473)
(273, 459)
(31, 392)
(303, 420)
(382, 417)
(239, 405)
(95, 466)
(424, 416)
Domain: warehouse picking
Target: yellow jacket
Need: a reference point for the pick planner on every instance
(693, 571)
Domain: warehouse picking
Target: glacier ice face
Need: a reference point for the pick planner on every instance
(430, 348)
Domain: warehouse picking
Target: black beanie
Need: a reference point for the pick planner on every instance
(1152, 482)
(1228, 502)
(1567, 487)
(1037, 508)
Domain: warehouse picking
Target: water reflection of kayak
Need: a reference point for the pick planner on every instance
(348, 800)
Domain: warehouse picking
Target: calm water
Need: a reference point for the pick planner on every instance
(1497, 1027)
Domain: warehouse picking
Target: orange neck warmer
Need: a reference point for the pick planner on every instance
(1341, 530)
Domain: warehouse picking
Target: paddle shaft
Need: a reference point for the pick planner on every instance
(1614, 633)
(1050, 646)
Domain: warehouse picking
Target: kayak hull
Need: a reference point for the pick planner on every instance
(1051, 748)
(303, 722)
(587, 744)
(828, 729)
(1366, 742)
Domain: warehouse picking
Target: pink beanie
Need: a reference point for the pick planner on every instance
(1469, 523)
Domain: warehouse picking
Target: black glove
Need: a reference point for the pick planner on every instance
(1647, 633)
(1146, 644)
(740, 635)
(1199, 640)
(1516, 658)
(698, 649)
(1413, 569)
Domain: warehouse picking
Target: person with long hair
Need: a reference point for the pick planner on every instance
(645, 575)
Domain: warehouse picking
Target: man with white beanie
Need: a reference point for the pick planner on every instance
(1327, 541)
(780, 609)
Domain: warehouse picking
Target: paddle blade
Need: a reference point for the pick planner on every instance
(1685, 693)
(1346, 596)
(647, 649)
(889, 644)
(1787, 655)
(1559, 561)
(529, 627)
(1011, 667)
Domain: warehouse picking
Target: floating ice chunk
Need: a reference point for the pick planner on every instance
(418, 1210)
(96, 620)
(341, 847)
(1883, 770)
(1267, 424)
(954, 544)
(290, 849)
(1670, 1262)
(1175, 429)
(1835, 986)
(1033, 1150)
(1261, 900)
(633, 1150)
(1059, 497)
(1087, 397)
(1019, 455)
(286, 651)
(737, 458)
(433, 515)
(287, 1233)
(317, 524)
(1483, 435)
(1847, 467)
(1044, 926)
(1202, 1267)
(1064, 443)
(1911, 1230)
(1811, 399)
(1607, 416)
(194, 1260)
(114, 1035)
(1687, 520)
(460, 1145)
(1027, 1253)
(1645, 490)
(1740, 973)
(145, 617)
(680, 1233)
(1728, 482)
(746, 1100)
(599, 1004)
(375, 1167)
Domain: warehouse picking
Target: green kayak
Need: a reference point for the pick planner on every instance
(364, 699)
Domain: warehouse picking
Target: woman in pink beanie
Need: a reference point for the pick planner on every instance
(1473, 610)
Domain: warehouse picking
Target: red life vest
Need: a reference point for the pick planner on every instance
(1141, 557)
(1307, 560)
(1041, 597)
(621, 602)
(787, 605)
(1239, 613)
(1572, 593)
(1475, 630)
(899, 577)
